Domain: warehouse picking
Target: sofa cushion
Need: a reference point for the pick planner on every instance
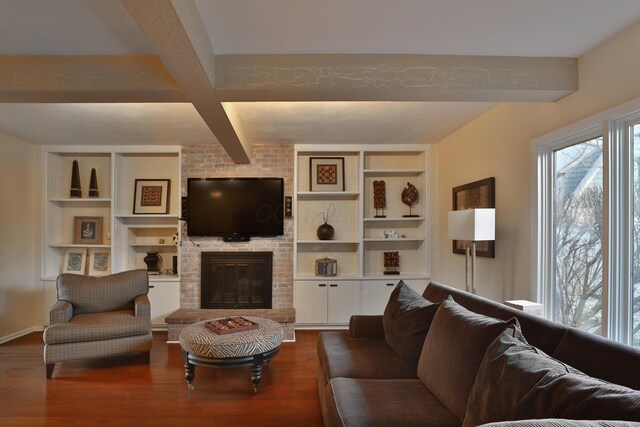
(97, 326)
(517, 381)
(554, 422)
(453, 351)
(370, 403)
(343, 356)
(406, 321)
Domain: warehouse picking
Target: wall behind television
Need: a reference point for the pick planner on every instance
(267, 160)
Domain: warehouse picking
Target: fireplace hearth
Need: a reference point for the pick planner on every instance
(232, 280)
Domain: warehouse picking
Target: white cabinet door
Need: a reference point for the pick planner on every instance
(165, 299)
(310, 301)
(343, 301)
(375, 295)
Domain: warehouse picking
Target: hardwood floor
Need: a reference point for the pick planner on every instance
(122, 391)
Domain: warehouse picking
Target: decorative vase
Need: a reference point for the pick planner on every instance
(76, 190)
(325, 232)
(153, 262)
(93, 184)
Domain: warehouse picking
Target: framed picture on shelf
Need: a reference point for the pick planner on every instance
(478, 194)
(326, 267)
(151, 196)
(98, 262)
(74, 260)
(326, 174)
(87, 230)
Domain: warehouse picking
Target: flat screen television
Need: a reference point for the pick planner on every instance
(235, 209)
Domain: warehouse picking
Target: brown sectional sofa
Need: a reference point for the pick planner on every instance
(362, 381)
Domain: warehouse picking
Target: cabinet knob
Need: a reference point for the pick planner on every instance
(390, 284)
(333, 285)
(151, 286)
(322, 285)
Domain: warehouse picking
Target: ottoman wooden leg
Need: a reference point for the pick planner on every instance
(256, 375)
(189, 371)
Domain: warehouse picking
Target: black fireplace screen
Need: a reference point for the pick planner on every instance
(236, 279)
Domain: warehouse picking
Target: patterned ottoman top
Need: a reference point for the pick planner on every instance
(197, 339)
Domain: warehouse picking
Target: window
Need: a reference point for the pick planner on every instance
(587, 234)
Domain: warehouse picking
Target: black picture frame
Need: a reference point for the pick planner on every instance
(477, 194)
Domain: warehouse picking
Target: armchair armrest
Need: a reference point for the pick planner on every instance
(361, 326)
(61, 312)
(142, 306)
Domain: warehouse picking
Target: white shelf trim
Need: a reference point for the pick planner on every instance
(393, 171)
(142, 245)
(80, 200)
(393, 219)
(401, 239)
(71, 245)
(147, 216)
(331, 242)
(327, 194)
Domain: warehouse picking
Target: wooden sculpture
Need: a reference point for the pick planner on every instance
(391, 262)
(409, 198)
(379, 198)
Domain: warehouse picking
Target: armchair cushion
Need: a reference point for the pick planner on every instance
(99, 294)
(97, 326)
(142, 306)
(61, 312)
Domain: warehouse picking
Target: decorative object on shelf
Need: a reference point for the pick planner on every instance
(326, 267)
(379, 198)
(471, 226)
(76, 189)
(151, 196)
(153, 260)
(478, 194)
(390, 234)
(326, 174)
(409, 198)
(391, 262)
(93, 184)
(98, 262)
(74, 260)
(161, 240)
(326, 231)
(87, 230)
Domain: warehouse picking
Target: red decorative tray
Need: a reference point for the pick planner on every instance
(229, 325)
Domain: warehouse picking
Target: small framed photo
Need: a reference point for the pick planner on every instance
(151, 196)
(98, 262)
(326, 267)
(87, 230)
(74, 260)
(326, 174)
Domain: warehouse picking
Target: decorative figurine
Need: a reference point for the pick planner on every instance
(93, 184)
(409, 198)
(391, 262)
(379, 198)
(75, 191)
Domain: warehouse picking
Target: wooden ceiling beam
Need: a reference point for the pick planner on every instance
(177, 31)
(86, 79)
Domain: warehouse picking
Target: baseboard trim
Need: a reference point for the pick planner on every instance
(21, 333)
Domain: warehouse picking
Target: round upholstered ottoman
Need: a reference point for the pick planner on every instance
(203, 347)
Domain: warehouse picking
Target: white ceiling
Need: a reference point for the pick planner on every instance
(487, 27)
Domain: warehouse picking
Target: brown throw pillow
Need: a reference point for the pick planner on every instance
(453, 351)
(517, 381)
(406, 321)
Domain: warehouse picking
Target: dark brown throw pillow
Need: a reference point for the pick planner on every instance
(517, 381)
(406, 321)
(453, 351)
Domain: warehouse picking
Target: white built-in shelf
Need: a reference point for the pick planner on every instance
(330, 242)
(80, 200)
(394, 219)
(400, 239)
(71, 245)
(148, 216)
(149, 245)
(151, 226)
(316, 195)
(393, 172)
(328, 278)
(163, 278)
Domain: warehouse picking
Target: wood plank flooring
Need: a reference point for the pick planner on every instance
(123, 391)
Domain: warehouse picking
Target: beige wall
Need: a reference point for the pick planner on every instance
(20, 294)
(499, 144)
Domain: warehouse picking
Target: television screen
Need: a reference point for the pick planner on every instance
(241, 207)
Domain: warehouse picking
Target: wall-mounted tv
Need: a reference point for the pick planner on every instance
(235, 208)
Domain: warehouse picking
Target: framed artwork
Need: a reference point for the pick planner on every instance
(98, 262)
(87, 230)
(74, 260)
(478, 194)
(326, 173)
(151, 196)
(326, 267)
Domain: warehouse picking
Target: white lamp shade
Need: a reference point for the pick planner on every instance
(472, 224)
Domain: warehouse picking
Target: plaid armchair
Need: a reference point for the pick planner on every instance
(98, 316)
